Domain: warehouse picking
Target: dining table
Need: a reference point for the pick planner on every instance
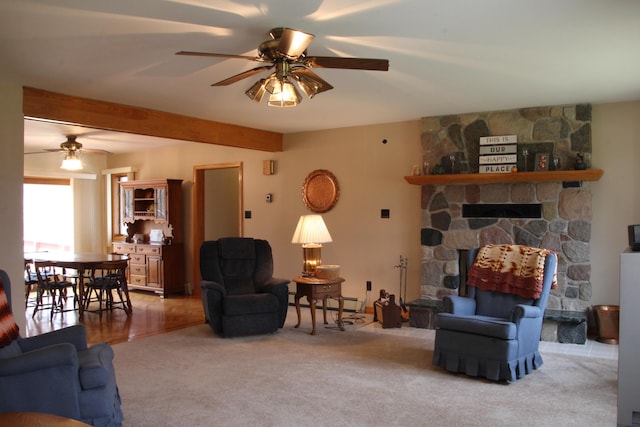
(80, 262)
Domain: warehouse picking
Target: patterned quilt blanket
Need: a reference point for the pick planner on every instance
(512, 269)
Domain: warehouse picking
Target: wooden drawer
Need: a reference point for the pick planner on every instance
(149, 250)
(137, 259)
(137, 280)
(124, 248)
(320, 290)
(138, 269)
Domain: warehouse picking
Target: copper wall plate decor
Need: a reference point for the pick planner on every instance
(320, 191)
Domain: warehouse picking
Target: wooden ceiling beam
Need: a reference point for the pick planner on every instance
(41, 104)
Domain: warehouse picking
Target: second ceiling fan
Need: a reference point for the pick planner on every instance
(286, 51)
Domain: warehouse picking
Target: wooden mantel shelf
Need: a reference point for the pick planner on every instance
(506, 178)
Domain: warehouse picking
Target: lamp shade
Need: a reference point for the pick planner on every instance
(311, 229)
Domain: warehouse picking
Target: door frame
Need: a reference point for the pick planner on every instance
(198, 209)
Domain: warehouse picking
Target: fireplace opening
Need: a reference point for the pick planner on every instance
(502, 210)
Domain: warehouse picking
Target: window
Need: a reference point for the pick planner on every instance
(119, 227)
(47, 215)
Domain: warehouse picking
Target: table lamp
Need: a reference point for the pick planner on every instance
(311, 232)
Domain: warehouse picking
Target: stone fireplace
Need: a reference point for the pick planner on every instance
(565, 227)
(558, 213)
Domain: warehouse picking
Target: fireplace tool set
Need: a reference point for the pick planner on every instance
(386, 311)
(402, 291)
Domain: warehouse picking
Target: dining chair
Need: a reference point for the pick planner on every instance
(52, 282)
(30, 283)
(105, 280)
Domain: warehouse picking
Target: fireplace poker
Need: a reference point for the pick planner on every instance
(403, 273)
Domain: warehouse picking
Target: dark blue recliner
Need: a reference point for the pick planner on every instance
(57, 373)
(239, 294)
(492, 334)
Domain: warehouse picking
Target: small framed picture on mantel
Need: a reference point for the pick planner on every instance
(542, 162)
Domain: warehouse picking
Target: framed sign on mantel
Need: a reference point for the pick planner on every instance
(320, 191)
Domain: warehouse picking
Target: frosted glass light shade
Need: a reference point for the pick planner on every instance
(71, 162)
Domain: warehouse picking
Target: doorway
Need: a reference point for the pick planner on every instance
(217, 207)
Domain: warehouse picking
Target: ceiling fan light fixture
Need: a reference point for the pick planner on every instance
(288, 96)
(257, 91)
(273, 84)
(71, 162)
(308, 85)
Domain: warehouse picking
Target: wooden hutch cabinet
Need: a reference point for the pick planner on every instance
(153, 208)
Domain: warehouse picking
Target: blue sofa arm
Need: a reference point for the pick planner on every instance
(461, 306)
(28, 381)
(521, 311)
(52, 357)
(95, 366)
(76, 335)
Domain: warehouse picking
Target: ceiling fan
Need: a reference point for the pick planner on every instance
(286, 51)
(71, 148)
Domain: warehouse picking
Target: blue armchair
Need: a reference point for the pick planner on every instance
(494, 331)
(56, 372)
(240, 296)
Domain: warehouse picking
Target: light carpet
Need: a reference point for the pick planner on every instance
(364, 376)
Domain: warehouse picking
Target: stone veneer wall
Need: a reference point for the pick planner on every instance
(565, 226)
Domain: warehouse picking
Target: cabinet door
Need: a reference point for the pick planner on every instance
(161, 203)
(127, 204)
(154, 272)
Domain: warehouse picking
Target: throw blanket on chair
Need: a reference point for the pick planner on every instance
(8, 327)
(512, 269)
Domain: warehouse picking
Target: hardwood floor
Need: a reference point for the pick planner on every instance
(151, 315)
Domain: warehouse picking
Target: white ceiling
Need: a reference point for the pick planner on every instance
(446, 56)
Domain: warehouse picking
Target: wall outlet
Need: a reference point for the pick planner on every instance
(368, 285)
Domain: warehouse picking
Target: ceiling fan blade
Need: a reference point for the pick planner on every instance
(219, 55)
(348, 63)
(293, 43)
(242, 75)
(313, 81)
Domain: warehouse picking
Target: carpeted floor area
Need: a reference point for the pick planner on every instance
(365, 375)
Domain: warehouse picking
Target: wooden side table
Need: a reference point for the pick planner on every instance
(316, 289)
(32, 419)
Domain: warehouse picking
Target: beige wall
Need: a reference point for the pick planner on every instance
(370, 177)
(616, 197)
